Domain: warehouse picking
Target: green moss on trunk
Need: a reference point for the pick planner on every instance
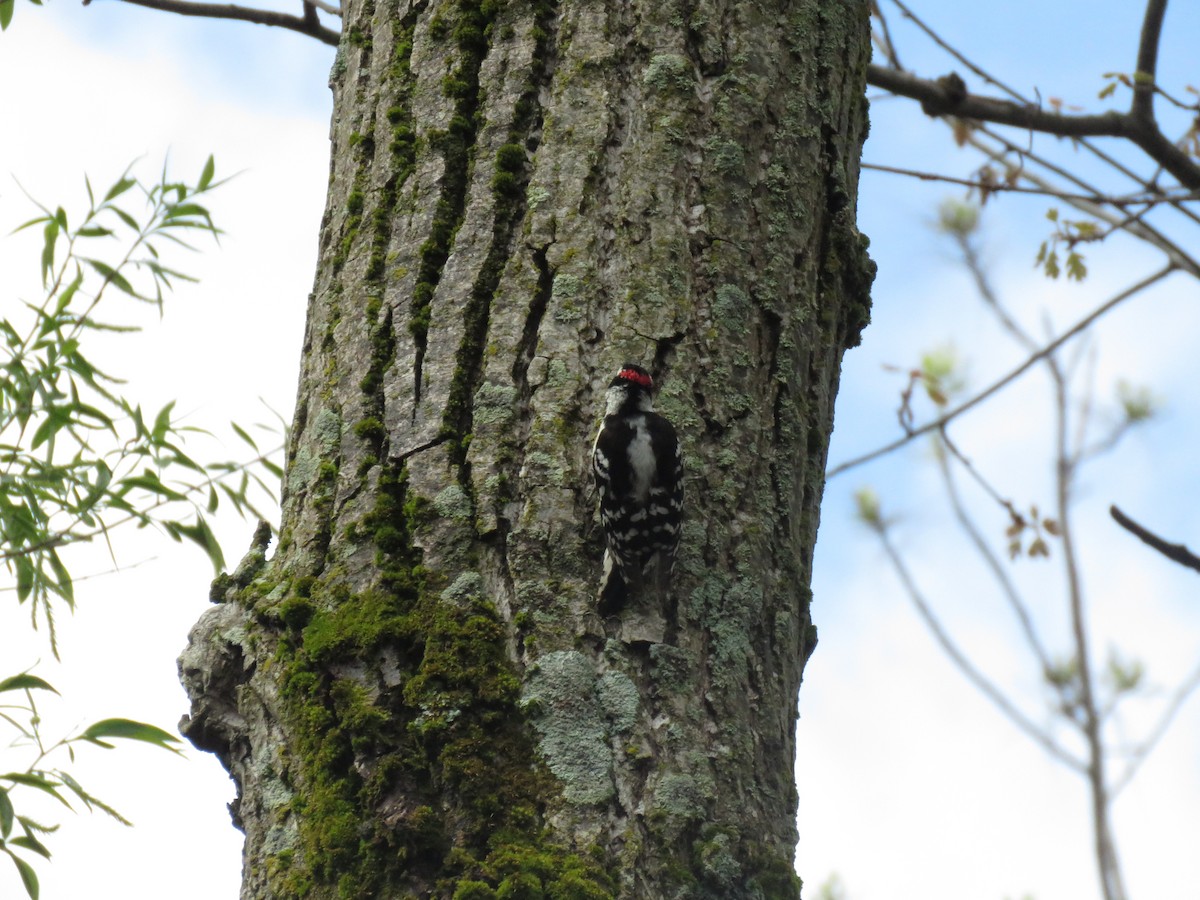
(413, 763)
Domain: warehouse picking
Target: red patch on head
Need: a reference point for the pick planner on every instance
(636, 377)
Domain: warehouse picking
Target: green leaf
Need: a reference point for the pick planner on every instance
(64, 586)
(29, 842)
(126, 218)
(162, 423)
(206, 176)
(7, 814)
(240, 432)
(68, 293)
(37, 782)
(51, 425)
(50, 239)
(129, 730)
(37, 221)
(186, 209)
(25, 682)
(1076, 267)
(94, 231)
(6, 13)
(28, 876)
(26, 575)
(119, 188)
(85, 411)
(1051, 266)
(148, 481)
(202, 535)
(112, 276)
(90, 801)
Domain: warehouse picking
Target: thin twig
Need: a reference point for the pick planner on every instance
(964, 665)
(888, 45)
(325, 7)
(306, 25)
(937, 39)
(945, 419)
(1065, 469)
(1144, 749)
(997, 568)
(1177, 553)
(988, 294)
(1141, 230)
(1146, 198)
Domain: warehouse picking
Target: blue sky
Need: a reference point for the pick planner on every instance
(910, 785)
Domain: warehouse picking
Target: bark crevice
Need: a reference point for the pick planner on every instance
(524, 197)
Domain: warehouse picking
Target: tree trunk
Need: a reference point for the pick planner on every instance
(415, 694)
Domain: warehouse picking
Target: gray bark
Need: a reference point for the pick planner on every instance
(415, 694)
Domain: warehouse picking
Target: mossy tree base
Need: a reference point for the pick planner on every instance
(415, 694)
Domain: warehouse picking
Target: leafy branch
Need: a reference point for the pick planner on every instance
(23, 833)
(78, 459)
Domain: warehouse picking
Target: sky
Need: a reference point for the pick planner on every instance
(910, 784)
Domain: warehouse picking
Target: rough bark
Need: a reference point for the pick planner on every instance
(415, 695)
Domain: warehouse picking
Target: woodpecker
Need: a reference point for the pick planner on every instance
(639, 475)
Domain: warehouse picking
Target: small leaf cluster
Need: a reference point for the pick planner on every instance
(1033, 527)
(942, 376)
(1124, 78)
(1120, 679)
(1137, 403)
(1069, 233)
(22, 834)
(867, 508)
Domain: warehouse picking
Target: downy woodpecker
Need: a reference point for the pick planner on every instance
(639, 474)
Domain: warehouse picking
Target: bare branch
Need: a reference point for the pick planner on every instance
(988, 78)
(306, 25)
(941, 422)
(1147, 62)
(948, 96)
(1177, 553)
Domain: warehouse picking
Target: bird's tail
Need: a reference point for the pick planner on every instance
(613, 589)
